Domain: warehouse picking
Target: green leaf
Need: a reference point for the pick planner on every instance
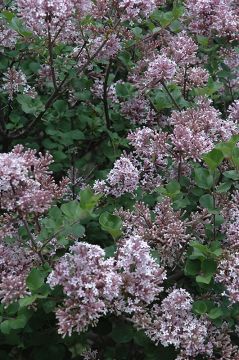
(204, 279)
(19, 322)
(124, 90)
(76, 230)
(231, 174)
(200, 307)
(209, 267)
(60, 106)
(110, 251)
(203, 178)
(35, 280)
(29, 105)
(173, 188)
(227, 147)
(14, 324)
(202, 248)
(5, 327)
(215, 313)
(48, 306)
(192, 267)
(155, 254)
(219, 220)
(215, 248)
(111, 223)
(213, 159)
(235, 156)
(76, 135)
(88, 200)
(177, 11)
(161, 101)
(122, 333)
(59, 155)
(72, 210)
(18, 25)
(27, 301)
(207, 201)
(202, 40)
(8, 15)
(224, 186)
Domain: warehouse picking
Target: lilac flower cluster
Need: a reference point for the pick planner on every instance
(135, 8)
(160, 70)
(123, 178)
(26, 183)
(173, 323)
(234, 111)
(93, 285)
(44, 15)
(8, 37)
(15, 265)
(231, 60)
(90, 283)
(14, 81)
(207, 17)
(162, 228)
(141, 276)
(181, 48)
(195, 131)
(89, 354)
(138, 110)
(228, 275)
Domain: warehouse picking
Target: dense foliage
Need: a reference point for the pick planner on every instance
(119, 179)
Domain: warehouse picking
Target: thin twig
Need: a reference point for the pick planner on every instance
(105, 95)
(50, 49)
(170, 95)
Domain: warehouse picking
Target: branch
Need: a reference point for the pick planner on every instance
(170, 95)
(50, 49)
(185, 82)
(176, 276)
(105, 95)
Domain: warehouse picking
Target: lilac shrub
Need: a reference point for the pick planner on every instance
(119, 179)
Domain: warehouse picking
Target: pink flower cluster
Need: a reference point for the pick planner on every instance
(192, 77)
(231, 60)
(162, 228)
(138, 110)
(90, 354)
(123, 178)
(228, 275)
(26, 183)
(94, 285)
(234, 111)
(160, 70)
(196, 130)
(230, 212)
(135, 8)
(57, 15)
(8, 37)
(90, 283)
(181, 48)
(14, 81)
(141, 276)
(173, 323)
(15, 265)
(150, 154)
(207, 17)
